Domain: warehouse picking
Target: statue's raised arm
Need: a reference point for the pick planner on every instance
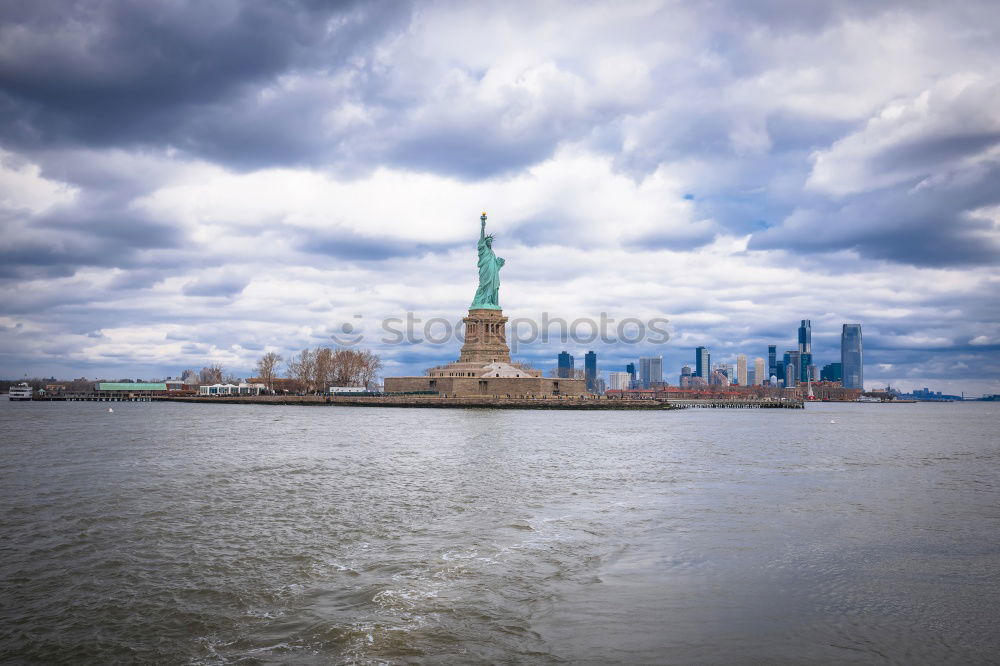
(487, 295)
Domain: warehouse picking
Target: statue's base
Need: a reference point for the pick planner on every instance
(485, 337)
(484, 367)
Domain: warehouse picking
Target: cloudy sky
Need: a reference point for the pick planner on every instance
(187, 182)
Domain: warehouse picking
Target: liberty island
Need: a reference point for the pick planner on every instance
(484, 366)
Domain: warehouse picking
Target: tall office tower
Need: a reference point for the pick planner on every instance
(567, 365)
(620, 381)
(805, 337)
(758, 371)
(772, 361)
(630, 369)
(852, 357)
(805, 363)
(651, 371)
(685, 373)
(702, 362)
(741, 369)
(726, 371)
(831, 372)
(751, 377)
(793, 368)
(590, 370)
(779, 372)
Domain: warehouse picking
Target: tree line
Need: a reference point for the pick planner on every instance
(317, 369)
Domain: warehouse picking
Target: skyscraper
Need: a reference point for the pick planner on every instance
(758, 371)
(805, 337)
(793, 368)
(772, 361)
(567, 365)
(741, 369)
(805, 350)
(832, 372)
(630, 369)
(620, 381)
(702, 362)
(590, 370)
(852, 357)
(651, 371)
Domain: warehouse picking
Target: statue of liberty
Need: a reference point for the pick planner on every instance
(487, 296)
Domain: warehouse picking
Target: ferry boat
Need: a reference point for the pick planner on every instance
(20, 391)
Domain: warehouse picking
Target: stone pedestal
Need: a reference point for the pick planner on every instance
(485, 338)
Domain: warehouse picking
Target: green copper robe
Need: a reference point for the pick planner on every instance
(488, 294)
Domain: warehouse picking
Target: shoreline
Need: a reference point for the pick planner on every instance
(488, 402)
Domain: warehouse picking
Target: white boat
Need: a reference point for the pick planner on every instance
(20, 391)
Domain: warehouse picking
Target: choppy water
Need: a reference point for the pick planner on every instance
(255, 534)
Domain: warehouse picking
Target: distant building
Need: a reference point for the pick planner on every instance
(702, 362)
(630, 369)
(727, 370)
(772, 361)
(805, 367)
(741, 369)
(566, 366)
(805, 337)
(685, 372)
(590, 371)
(832, 372)
(759, 375)
(793, 368)
(651, 371)
(718, 378)
(852, 357)
(232, 389)
(620, 381)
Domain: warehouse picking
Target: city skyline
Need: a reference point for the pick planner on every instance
(649, 161)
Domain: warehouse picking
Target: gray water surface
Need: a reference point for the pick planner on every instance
(165, 533)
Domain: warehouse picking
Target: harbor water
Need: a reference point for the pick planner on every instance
(251, 534)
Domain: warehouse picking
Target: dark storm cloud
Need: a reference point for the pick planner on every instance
(126, 73)
(94, 230)
(928, 226)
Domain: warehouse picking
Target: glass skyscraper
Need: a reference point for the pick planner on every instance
(590, 370)
(772, 362)
(793, 367)
(567, 365)
(852, 357)
(805, 337)
(651, 371)
(702, 362)
(805, 349)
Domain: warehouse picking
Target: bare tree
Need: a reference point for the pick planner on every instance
(266, 368)
(323, 359)
(370, 367)
(211, 374)
(302, 369)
